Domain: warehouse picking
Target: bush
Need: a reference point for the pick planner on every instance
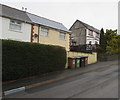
(23, 59)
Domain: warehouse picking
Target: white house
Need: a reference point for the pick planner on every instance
(15, 24)
(84, 34)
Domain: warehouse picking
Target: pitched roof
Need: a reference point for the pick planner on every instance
(46, 22)
(87, 26)
(13, 13)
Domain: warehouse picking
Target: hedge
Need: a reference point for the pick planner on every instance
(24, 59)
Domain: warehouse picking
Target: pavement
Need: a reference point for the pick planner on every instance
(101, 82)
(36, 81)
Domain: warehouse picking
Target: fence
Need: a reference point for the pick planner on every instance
(88, 48)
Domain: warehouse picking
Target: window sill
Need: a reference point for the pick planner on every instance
(90, 36)
(15, 30)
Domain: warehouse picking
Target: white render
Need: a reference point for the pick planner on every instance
(7, 33)
(93, 38)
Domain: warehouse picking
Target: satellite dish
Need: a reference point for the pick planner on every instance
(35, 35)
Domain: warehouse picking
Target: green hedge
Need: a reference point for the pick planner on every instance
(23, 59)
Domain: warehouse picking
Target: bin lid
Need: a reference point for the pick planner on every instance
(78, 57)
(84, 56)
(81, 57)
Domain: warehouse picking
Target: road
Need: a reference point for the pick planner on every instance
(102, 83)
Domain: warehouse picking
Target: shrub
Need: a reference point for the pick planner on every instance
(23, 59)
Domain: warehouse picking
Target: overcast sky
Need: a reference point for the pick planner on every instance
(97, 13)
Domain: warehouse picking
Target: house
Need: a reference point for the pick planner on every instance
(46, 31)
(84, 35)
(16, 25)
(23, 26)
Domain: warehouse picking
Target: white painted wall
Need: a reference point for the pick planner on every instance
(96, 37)
(92, 39)
(23, 35)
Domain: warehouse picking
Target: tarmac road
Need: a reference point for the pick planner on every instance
(102, 83)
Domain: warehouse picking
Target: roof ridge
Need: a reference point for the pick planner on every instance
(44, 18)
(87, 24)
(29, 13)
(12, 8)
(8, 11)
(47, 22)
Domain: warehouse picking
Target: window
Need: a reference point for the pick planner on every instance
(44, 32)
(90, 33)
(96, 42)
(97, 35)
(62, 36)
(15, 25)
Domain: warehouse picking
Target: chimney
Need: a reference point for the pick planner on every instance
(22, 8)
(25, 9)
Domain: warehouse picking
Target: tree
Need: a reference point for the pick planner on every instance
(103, 42)
(106, 40)
(114, 45)
(102, 37)
(110, 34)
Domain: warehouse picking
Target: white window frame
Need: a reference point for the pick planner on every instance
(15, 25)
(44, 32)
(62, 36)
(90, 33)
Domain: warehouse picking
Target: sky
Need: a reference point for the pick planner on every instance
(97, 13)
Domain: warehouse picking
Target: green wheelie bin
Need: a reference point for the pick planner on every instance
(77, 62)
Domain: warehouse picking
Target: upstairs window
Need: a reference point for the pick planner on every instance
(97, 35)
(90, 33)
(62, 36)
(44, 32)
(15, 25)
(96, 42)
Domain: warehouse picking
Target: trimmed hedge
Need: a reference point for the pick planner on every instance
(23, 59)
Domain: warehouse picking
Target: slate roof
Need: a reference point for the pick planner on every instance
(46, 22)
(13, 13)
(87, 26)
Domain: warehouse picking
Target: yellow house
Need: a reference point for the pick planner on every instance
(46, 31)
